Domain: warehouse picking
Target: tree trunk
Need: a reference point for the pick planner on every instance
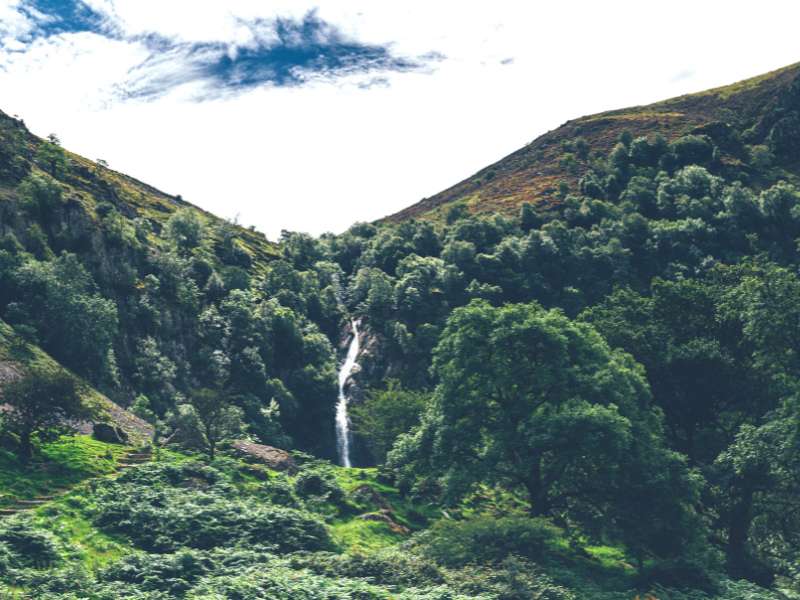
(690, 451)
(25, 446)
(537, 494)
(738, 529)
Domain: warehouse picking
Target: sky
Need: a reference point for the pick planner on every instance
(291, 114)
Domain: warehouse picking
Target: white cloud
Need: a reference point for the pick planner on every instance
(322, 156)
(14, 25)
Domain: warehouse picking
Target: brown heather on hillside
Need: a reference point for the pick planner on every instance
(535, 172)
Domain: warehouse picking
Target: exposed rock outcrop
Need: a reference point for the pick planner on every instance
(385, 516)
(111, 434)
(272, 457)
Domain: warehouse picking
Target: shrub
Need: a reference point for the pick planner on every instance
(195, 507)
(173, 573)
(693, 149)
(387, 567)
(486, 539)
(318, 483)
(513, 579)
(680, 573)
(22, 545)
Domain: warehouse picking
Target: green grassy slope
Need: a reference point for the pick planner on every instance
(534, 173)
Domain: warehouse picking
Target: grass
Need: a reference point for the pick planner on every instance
(610, 557)
(61, 464)
(359, 535)
(91, 547)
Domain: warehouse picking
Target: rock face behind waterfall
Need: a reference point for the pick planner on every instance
(371, 371)
(354, 387)
(374, 365)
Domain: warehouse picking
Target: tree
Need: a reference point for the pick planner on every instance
(209, 418)
(185, 229)
(699, 367)
(758, 483)
(530, 399)
(52, 156)
(511, 392)
(760, 298)
(76, 324)
(385, 415)
(40, 404)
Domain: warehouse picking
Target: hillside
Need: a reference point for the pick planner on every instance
(134, 290)
(89, 183)
(536, 172)
(18, 355)
(592, 393)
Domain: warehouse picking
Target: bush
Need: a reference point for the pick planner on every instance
(693, 150)
(195, 507)
(8, 558)
(22, 545)
(387, 567)
(513, 579)
(318, 483)
(486, 539)
(173, 573)
(680, 573)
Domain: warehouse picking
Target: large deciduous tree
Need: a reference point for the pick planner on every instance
(528, 398)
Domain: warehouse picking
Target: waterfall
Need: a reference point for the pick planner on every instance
(342, 420)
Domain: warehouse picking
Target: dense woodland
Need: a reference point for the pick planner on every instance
(610, 379)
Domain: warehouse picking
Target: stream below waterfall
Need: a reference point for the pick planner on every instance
(343, 436)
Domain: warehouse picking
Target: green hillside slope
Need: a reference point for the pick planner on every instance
(148, 297)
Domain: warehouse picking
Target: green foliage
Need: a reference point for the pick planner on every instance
(22, 545)
(683, 255)
(51, 157)
(566, 415)
(194, 508)
(318, 484)
(39, 404)
(678, 574)
(208, 419)
(40, 196)
(385, 415)
(487, 539)
(185, 229)
(73, 322)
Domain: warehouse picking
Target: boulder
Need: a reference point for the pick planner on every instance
(386, 516)
(111, 434)
(274, 458)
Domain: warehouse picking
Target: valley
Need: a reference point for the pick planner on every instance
(573, 375)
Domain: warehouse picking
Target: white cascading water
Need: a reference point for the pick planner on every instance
(342, 420)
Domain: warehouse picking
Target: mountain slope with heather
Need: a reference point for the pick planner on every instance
(738, 117)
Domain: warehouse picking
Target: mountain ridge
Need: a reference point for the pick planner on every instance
(534, 172)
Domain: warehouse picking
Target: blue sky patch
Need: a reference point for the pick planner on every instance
(282, 52)
(54, 17)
